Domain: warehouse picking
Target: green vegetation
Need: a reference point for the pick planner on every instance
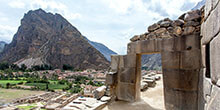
(27, 107)
(3, 83)
(42, 86)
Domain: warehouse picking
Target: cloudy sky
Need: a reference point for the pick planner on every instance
(111, 22)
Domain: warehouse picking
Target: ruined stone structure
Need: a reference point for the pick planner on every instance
(210, 46)
(189, 61)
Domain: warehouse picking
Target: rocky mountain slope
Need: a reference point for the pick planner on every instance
(2, 45)
(103, 49)
(46, 38)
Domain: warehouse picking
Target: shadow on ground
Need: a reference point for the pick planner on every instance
(121, 105)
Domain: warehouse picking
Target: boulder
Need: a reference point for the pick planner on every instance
(165, 24)
(191, 23)
(192, 15)
(177, 31)
(153, 27)
(188, 30)
(135, 38)
(151, 35)
(178, 22)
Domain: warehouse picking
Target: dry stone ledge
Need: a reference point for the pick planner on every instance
(187, 24)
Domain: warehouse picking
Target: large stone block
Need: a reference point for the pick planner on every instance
(115, 62)
(127, 75)
(133, 47)
(180, 100)
(190, 60)
(203, 56)
(150, 46)
(170, 60)
(208, 7)
(126, 92)
(211, 25)
(129, 60)
(215, 59)
(177, 79)
(207, 87)
(111, 78)
(215, 99)
(168, 44)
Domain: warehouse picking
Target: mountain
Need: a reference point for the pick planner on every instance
(2, 45)
(46, 38)
(103, 49)
(151, 62)
(199, 5)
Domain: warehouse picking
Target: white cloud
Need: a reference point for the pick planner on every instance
(7, 32)
(17, 4)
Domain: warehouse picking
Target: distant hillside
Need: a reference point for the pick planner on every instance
(2, 45)
(46, 38)
(103, 49)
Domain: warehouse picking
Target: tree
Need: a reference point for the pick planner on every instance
(4, 66)
(8, 85)
(14, 67)
(67, 67)
(23, 67)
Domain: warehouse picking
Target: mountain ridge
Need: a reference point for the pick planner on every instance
(46, 38)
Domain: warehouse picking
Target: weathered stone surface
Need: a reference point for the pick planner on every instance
(211, 26)
(215, 99)
(178, 22)
(192, 15)
(135, 38)
(151, 35)
(111, 78)
(180, 100)
(191, 23)
(215, 59)
(188, 30)
(160, 31)
(133, 47)
(115, 62)
(203, 55)
(170, 60)
(177, 31)
(190, 59)
(208, 7)
(165, 24)
(126, 92)
(207, 84)
(218, 83)
(153, 27)
(182, 80)
(130, 60)
(127, 75)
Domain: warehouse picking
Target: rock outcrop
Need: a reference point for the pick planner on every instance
(45, 38)
(2, 45)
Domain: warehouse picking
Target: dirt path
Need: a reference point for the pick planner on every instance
(151, 99)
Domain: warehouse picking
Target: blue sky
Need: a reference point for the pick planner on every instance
(111, 22)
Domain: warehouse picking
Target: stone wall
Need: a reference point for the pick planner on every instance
(210, 45)
(178, 42)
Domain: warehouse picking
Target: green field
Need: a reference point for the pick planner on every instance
(4, 82)
(43, 85)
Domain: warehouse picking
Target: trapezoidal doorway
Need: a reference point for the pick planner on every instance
(180, 65)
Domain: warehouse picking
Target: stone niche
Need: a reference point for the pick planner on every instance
(178, 42)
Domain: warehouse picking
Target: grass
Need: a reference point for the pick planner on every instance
(28, 107)
(4, 82)
(43, 85)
